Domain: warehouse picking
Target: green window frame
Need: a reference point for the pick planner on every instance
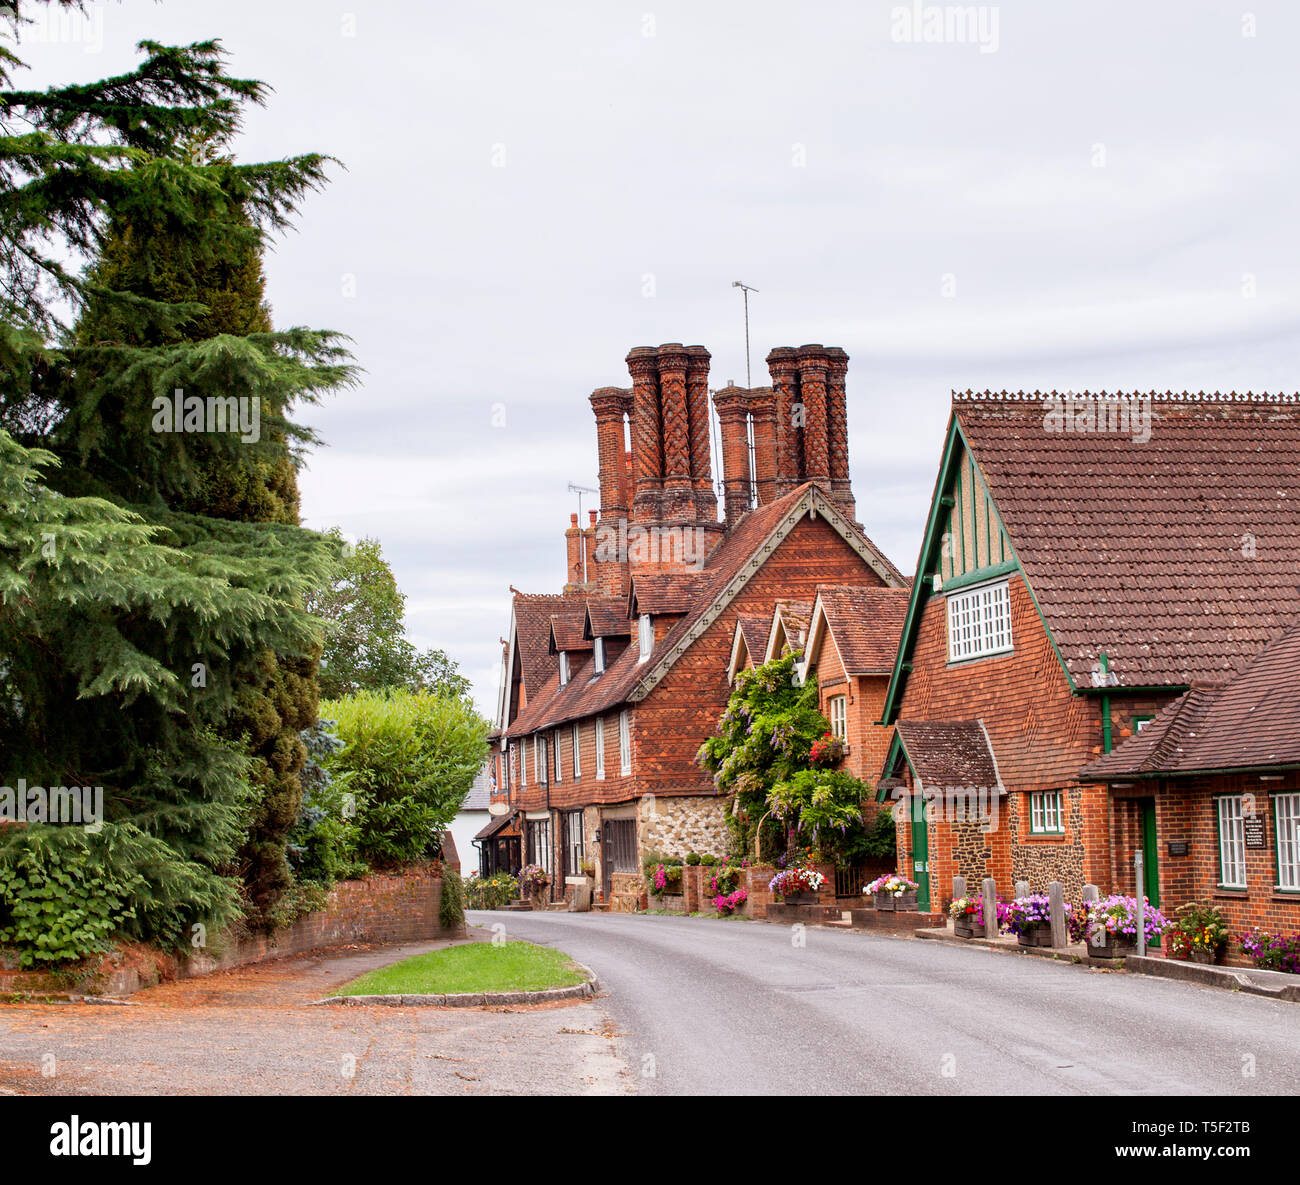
(1046, 813)
(1286, 823)
(1232, 841)
(1138, 721)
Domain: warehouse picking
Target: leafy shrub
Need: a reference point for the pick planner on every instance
(490, 892)
(409, 760)
(451, 911)
(692, 858)
(709, 860)
(64, 894)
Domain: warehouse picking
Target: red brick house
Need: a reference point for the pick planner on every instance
(1223, 763)
(1085, 563)
(853, 634)
(609, 689)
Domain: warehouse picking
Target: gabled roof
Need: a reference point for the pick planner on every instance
(1250, 722)
(662, 592)
(607, 617)
(533, 637)
(864, 622)
(746, 642)
(567, 632)
(726, 571)
(790, 620)
(1176, 557)
(946, 754)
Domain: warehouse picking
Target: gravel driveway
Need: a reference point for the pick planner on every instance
(248, 1032)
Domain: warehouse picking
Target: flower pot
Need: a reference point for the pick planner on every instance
(1116, 946)
(1039, 934)
(903, 902)
(1198, 954)
(799, 898)
(968, 927)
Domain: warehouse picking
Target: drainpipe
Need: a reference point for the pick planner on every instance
(1105, 704)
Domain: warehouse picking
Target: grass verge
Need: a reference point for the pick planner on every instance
(471, 967)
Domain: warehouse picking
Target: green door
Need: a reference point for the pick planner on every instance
(920, 854)
(1150, 852)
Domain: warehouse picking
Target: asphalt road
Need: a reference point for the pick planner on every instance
(708, 1006)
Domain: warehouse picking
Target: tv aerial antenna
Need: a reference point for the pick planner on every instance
(574, 488)
(746, 289)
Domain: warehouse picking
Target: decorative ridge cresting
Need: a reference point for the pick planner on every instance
(1264, 398)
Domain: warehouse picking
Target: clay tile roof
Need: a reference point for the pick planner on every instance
(1250, 722)
(533, 638)
(567, 632)
(607, 617)
(587, 694)
(949, 754)
(753, 628)
(1178, 557)
(663, 592)
(795, 617)
(492, 826)
(866, 624)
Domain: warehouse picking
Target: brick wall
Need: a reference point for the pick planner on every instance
(1186, 811)
(378, 909)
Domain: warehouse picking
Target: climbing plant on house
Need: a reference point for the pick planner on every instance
(780, 795)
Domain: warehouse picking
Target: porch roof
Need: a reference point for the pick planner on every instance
(947, 754)
(1250, 722)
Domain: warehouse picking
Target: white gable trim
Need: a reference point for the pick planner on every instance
(812, 503)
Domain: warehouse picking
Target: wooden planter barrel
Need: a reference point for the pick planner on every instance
(808, 898)
(1199, 955)
(1039, 934)
(905, 903)
(968, 927)
(1113, 948)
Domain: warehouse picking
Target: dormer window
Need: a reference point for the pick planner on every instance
(599, 655)
(564, 667)
(645, 636)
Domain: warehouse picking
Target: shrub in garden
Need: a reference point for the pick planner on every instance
(692, 858)
(451, 910)
(409, 759)
(490, 892)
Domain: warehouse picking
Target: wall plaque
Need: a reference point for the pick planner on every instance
(1253, 828)
(1178, 847)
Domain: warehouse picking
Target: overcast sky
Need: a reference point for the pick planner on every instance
(1076, 196)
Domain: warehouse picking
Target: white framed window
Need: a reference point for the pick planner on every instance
(1232, 843)
(1046, 813)
(645, 636)
(564, 667)
(979, 622)
(523, 764)
(577, 752)
(600, 747)
(1286, 815)
(624, 743)
(559, 757)
(598, 656)
(838, 711)
(540, 760)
